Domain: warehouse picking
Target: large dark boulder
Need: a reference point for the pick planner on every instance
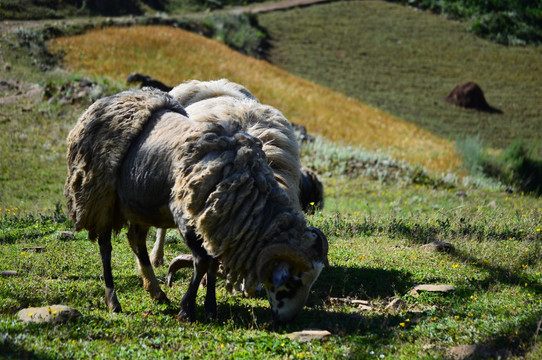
(469, 95)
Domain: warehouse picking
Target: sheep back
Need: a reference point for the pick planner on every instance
(96, 148)
(223, 101)
(193, 91)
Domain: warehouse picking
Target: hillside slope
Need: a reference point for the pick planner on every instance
(405, 62)
(174, 56)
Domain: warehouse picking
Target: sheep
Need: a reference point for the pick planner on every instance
(223, 100)
(136, 158)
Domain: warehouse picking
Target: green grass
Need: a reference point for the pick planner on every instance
(406, 61)
(375, 233)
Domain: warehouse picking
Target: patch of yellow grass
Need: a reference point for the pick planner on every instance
(174, 56)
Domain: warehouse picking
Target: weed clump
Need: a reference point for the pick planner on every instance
(517, 166)
(239, 31)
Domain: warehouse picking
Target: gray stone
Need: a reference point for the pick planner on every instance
(473, 351)
(66, 235)
(396, 305)
(431, 288)
(52, 314)
(9, 273)
(308, 335)
(440, 246)
(38, 249)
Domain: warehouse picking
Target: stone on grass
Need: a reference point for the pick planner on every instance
(308, 335)
(473, 351)
(52, 314)
(440, 246)
(8, 273)
(363, 305)
(66, 235)
(396, 305)
(431, 288)
(36, 249)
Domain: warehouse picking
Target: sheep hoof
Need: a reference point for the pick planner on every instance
(157, 262)
(112, 302)
(162, 298)
(211, 315)
(184, 316)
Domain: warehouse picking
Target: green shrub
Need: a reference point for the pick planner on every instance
(521, 168)
(510, 22)
(517, 166)
(239, 31)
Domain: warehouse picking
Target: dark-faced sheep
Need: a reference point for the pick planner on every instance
(135, 158)
(224, 101)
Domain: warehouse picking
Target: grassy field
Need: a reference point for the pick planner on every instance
(375, 233)
(376, 220)
(405, 62)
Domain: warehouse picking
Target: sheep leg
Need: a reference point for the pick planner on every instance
(104, 240)
(210, 297)
(188, 302)
(157, 253)
(137, 236)
(201, 266)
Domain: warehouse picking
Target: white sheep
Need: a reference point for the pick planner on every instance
(224, 101)
(135, 158)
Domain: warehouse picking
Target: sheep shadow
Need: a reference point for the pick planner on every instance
(361, 283)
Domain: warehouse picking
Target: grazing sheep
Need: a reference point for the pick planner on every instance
(223, 100)
(135, 158)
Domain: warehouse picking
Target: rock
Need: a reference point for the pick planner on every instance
(6, 86)
(38, 249)
(440, 246)
(469, 95)
(28, 94)
(66, 235)
(348, 301)
(363, 305)
(308, 335)
(396, 305)
(461, 194)
(9, 273)
(431, 288)
(471, 352)
(53, 314)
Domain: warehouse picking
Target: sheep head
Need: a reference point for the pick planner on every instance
(288, 275)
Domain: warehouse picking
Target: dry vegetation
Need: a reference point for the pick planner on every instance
(173, 56)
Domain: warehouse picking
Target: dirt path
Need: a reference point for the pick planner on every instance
(7, 26)
(282, 5)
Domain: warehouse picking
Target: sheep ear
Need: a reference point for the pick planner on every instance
(320, 245)
(271, 255)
